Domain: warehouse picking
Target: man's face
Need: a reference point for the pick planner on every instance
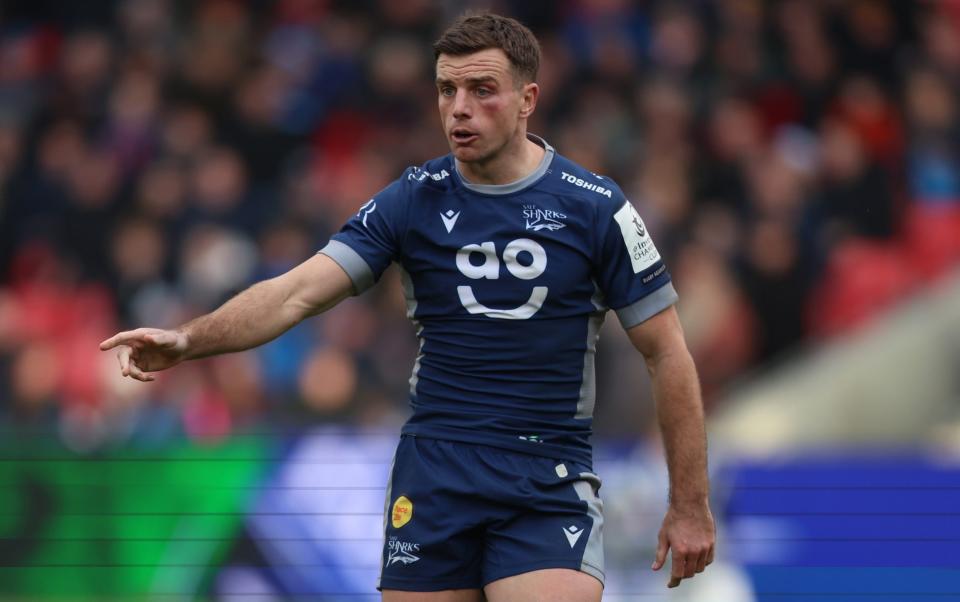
(481, 103)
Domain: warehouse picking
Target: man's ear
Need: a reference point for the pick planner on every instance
(528, 100)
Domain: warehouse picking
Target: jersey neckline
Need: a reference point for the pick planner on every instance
(516, 185)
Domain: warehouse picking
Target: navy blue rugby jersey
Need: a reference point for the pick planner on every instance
(507, 286)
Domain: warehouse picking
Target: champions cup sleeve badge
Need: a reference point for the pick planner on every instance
(402, 512)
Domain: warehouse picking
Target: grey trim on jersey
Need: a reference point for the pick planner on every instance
(407, 283)
(518, 184)
(415, 373)
(599, 303)
(408, 294)
(352, 263)
(588, 383)
(586, 488)
(649, 306)
(386, 512)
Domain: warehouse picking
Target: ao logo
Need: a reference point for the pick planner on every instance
(527, 269)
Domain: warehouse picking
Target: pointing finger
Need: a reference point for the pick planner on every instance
(122, 338)
(136, 338)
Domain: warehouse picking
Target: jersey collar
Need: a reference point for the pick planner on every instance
(516, 185)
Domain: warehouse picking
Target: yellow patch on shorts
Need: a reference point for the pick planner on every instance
(402, 512)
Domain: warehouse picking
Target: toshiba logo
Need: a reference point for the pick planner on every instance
(584, 184)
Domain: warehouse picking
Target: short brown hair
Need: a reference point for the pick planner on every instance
(479, 31)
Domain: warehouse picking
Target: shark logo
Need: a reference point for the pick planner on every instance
(543, 219)
(401, 556)
(402, 552)
(545, 224)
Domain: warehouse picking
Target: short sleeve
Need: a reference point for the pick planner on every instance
(370, 240)
(629, 271)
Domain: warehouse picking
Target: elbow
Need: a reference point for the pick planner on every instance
(673, 354)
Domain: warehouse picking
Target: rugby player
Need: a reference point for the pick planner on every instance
(510, 255)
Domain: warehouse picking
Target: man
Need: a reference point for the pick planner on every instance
(510, 255)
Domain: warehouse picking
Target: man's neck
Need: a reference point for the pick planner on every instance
(509, 166)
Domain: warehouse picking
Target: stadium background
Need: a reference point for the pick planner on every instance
(798, 162)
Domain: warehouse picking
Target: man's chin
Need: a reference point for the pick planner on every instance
(467, 154)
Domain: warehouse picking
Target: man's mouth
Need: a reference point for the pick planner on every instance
(463, 136)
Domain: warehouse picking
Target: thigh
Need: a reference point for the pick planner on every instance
(450, 595)
(555, 585)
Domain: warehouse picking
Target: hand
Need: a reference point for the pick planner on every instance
(147, 350)
(691, 532)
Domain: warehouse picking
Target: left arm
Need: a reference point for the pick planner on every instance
(688, 527)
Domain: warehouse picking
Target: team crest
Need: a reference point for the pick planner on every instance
(402, 552)
(543, 219)
(402, 512)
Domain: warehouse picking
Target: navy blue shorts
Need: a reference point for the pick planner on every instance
(459, 516)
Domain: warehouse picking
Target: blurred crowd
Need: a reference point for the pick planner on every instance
(797, 161)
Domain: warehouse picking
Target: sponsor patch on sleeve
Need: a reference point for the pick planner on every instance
(643, 253)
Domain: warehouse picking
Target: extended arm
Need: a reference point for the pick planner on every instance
(257, 315)
(268, 309)
(688, 527)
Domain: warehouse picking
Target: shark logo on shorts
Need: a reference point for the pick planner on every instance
(401, 551)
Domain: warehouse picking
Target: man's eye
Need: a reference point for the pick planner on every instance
(483, 92)
(446, 91)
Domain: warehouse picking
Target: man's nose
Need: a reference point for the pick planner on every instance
(461, 105)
